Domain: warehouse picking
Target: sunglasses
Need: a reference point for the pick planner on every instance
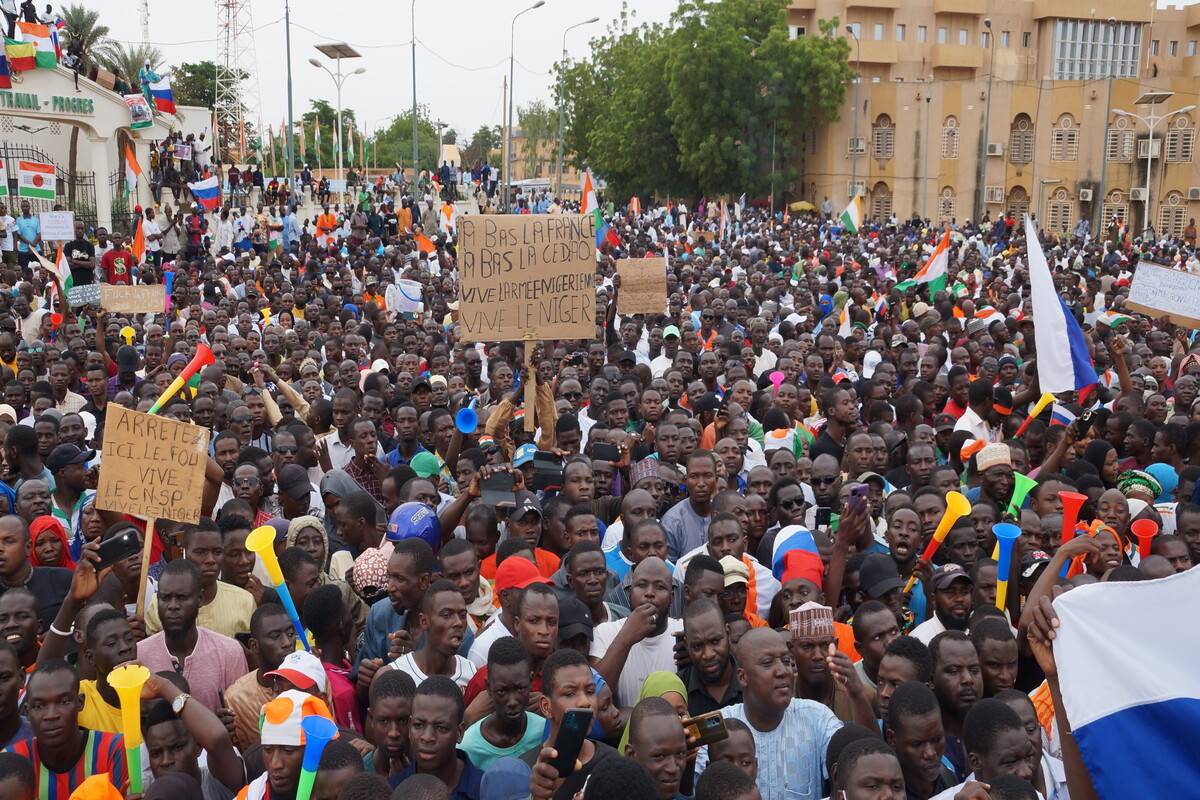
(287, 451)
(240, 420)
(572, 395)
(791, 504)
(245, 483)
(823, 481)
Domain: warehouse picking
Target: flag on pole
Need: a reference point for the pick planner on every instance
(1114, 318)
(132, 170)
(933, 272)
(1129, 683)
(844, 326)
(1063, 363)
(604, 232)
(138, 247)
(852, 217)
(164, 100)
(724, 220)
(448, 217)
(44, 41)
(1061, 415)
(303, 149)
(3, 180)
(207, 192)
(58, 269)
(22, 56)
(35, 180)
(5, 71)
(588, 193)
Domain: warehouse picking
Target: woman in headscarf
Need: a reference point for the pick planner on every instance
(669, 687)
(336, 485)
(48, 543)
(308, 533)
(1103, 456)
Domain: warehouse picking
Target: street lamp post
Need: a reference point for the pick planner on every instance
(337, 52)
(1045, 183)
(291, 164)
(414, 108)
(1098, 201)
(1151, 121)
(559, 166)
(857, 81)
(512, 44)
(981, 178)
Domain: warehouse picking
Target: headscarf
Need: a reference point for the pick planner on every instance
(336, 482)
(308, 521)
(1135, 481)
(48, 523)
(1167, 478)
(657, 684)
(1095, 453)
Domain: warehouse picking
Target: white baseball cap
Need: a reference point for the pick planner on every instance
(303, 670)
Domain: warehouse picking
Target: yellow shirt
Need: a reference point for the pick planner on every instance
(228, 614)
(97, 714)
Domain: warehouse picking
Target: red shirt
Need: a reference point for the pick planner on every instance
(547, 564)
(118, 267)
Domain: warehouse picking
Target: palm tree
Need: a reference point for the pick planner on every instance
(83, 26)
(126, 60)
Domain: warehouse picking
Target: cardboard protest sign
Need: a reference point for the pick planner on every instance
(529, 276)
(134, 299)
(152, 467)
(83, 295)
(643, 286)
(1159, 291)
(57, 226)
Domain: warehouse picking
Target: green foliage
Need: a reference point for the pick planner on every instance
(538, 123)
(196, 84)
(395, 140)
(694, 106)
(483, 142)
(126, 60)
(83, 26)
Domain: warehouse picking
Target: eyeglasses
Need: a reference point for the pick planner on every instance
(287, 451)
(572, 395)
(822, 481)
(246, 483)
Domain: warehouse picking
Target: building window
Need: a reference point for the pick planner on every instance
(1025, 39)
(1005, 36)
(1115, 208)
(902, 29)
(1180, 137)
(950, 138)
(942, 34)
(946, 206)
(856, 29)
(1086, 49)
(1059, 211)
(1064, 140)
(1172, 216)
(962, 36)
(1017, 204)
(1119, 146)
(883, 138)
(881, 202)
(1020, 140)
(1191, 51)
(985, 39)
(1173, 49)
(1154, 47)
(878, 31)
(922, 33)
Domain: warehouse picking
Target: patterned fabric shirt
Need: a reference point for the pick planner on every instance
(102, 752)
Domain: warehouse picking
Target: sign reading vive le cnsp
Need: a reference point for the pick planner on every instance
(59, 104)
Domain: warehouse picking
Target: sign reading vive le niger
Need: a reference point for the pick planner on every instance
(527, 277)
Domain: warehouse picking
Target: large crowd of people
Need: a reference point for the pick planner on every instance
(692, 569)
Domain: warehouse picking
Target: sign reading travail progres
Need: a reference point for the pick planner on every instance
(527, 277)
(1161, 291)
(643, 285)
(153, 467)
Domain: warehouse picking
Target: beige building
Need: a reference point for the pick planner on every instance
(539, 164)
(1056, 144)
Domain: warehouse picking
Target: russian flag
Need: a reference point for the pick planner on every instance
(163, 99)
(1063, 362)
(1127, 667)
(207, 193)
(1061, 415)
(794, 549)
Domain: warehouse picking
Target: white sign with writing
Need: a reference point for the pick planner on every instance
(1159, 291)
(57, 226)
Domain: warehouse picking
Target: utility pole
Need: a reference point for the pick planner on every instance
(414, 108)
(291, 164)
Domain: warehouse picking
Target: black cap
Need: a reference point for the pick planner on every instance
(627, 355)
(526, 503)
(418, 383)
(707, 402)
(878, 575)
(573, 618)
(948, 574)
(293, 479)
(127, 358)
(67, 454)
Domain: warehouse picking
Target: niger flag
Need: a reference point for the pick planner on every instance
(424, 244)
(138, 248)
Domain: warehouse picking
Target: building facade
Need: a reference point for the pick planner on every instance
(1060, 76)
(535, 164)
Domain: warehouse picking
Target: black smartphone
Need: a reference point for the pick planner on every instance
(603, 451)
(119, 547)
(497, 489)
(1084, 423)
(547, 471)
(575, 726)
(705, 729)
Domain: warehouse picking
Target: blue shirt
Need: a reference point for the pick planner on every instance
(29, 227)
(467, 787)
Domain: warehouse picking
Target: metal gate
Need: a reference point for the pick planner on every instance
(73, 192)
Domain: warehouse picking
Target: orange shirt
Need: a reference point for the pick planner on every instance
(844, 634)
(547, 564)
(326, 223)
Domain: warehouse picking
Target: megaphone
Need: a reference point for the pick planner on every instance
(318, 732)
(1072, 503)
(1024, 485)
(204, 357)
(128, 680)
(957, 505)
(1145, 530)
(262, 542)
(1043, 401)
(1006, 536)
(466, 420)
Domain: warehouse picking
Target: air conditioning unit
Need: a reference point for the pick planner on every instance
(995, 149)
(795, 31)
(1138, 195)
(1194, 193)
(856, 145)
(993, 195)
(1085, 195)
(856, 188)
(1149, 148)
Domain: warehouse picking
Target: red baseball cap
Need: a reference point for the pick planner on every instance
(517, 572)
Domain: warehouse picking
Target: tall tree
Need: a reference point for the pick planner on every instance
(482, 143)
(126, 60)
(84, 29)
(538, 124)
(196, 84)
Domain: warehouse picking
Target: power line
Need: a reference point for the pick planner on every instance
(190, 41)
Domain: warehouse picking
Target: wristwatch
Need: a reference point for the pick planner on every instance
(179, 702)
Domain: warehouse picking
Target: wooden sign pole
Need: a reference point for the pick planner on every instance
(530, 388)
(147, 544)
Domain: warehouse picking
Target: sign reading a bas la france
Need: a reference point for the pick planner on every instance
(643, 285)
(527, 277)
(1159, 291)
(152, 467)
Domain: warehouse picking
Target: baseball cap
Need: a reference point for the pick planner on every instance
(438, 380)
(517, 572)
(948, 574)
(627, 355)
(66, 454)
(302, 669)
(899, 340)
(872, 477)
(127, 358)
(573, 618)
(671, 330)
(707, 402)
(878, 575)
(524, 455)
(506, 779)
(527, 503)
(943, 422)
(293, 479)
(418, 383)
(735, 570)
(425, 464)
(280, 723)
(380, 365)
(919, 310)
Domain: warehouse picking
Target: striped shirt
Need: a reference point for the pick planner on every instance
(102, 753)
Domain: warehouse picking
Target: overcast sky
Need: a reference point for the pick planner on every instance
(462, 49)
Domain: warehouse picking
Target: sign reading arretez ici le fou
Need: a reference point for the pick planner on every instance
(527, 277)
